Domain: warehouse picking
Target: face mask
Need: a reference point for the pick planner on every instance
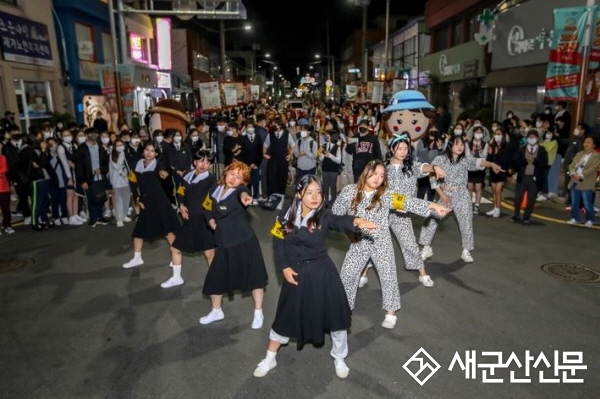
(126, 141)
(341, 125)
(292, 123)
(159, 139)
(532, 141)
(68, 139)
(538, 124)
(457, 132)
(549, 136)
(250, 130)
(478, 136)
(576, 132)
(177, 139)
(16, 143)
(59, 126)
(81, 139)
(135, 141)
(221, 128)
(93, 136)
(275, 128)
(494, 127)
(303, 133)
(547, 112)
(498, 139)
(509, 116)
(120, 148)
(105, 140)
(47, 135)
(230, 133)
(477, 124)
(195, 139)
(362, 130)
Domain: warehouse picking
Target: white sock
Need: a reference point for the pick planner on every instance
(426, 247)
(257, 311)
(176, 271)
(137, 255)
(216, 310)
(270, 356)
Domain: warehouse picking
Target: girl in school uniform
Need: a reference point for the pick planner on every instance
(157, 217)
(195, 235)
(453, 192)
(371, 199)
(238, 263)
(312, 298)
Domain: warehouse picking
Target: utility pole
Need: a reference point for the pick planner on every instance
(364, 42)
(222, 48)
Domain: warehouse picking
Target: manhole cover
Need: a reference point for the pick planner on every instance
(11, 264)
(571, 272)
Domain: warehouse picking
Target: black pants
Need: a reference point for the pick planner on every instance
(5, 208)
(424, 190)
(277, 174)
(23, 191)
(527, 184)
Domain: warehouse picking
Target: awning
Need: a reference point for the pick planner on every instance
(517, 77)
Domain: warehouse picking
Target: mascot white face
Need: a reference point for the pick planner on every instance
(408, 112)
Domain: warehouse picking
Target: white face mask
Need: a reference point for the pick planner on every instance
(177, 139)
(303, 133)
(477, 124)
(478, 136)
(135, 141)
(250, 130)
(59, 126)
(68, 139)
(292, 123)
(341, 125)
(159, 139)
(195, 139)
(120, 148)
(547, 112)
(494, 127)
(549, 136)
(576, 132)
(532, 141)
(509, 116)
(230, 133)
(81, 139)
(538, 124)
(221, 128)
(105, 140)
(457, 132)
(47, 135)
(498, 139)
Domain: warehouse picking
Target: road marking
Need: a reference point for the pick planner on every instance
(550, 219)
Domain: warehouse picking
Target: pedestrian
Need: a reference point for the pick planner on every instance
(478, 148)
(371, 200)
(278, 150)
(238, 263)
(195, 234)
(331, 166)
(499, 151)
(453, 192)
(583, 172)
(305, 151)
(5, 194)
(58, 185)
(531, 163)
(312, 300)
(364, 147)
(157, 217)
(66, 154)
(252, 155)
(118, 177)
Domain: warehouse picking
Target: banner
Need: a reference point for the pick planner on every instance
(351, 92)
(230, 91)
(592, 87)
(377, 93)
(566, 54)
(25, 41)
(210, 98)
(127, 75)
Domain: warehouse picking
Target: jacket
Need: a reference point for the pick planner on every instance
(589, 172)
(519, 163)
(83, 164)
(4, 184)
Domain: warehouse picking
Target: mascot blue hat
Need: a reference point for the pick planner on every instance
(408, 99)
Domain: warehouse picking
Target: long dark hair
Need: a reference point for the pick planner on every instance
(314, 222)
(362, 181)
(407, 164)
(449, 146)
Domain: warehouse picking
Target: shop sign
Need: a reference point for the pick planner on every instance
(25, 41)
(163, 80)
(448, 69)
(470, 68)
(518, 44)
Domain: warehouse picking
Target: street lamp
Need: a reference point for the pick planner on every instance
(222, 31)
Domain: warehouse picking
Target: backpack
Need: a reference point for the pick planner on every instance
(274, 202)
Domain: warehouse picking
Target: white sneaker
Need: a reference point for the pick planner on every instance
(341, 370)
(172, 282)
(56, 222)
(264, 367)
(133, 263)
(9, 230)
(254, 202)
(120, 224)
(389, 321)
(551, 195)
(129, 211)
(363, 281)
(491, 213)
(64, 221)
(496, 213)
(75, 221)
(426, 281)
(572, 221)
(107, 214)
(427, 252)
(466, 256)
(541, 197)
(257, 322)
(83, 215)
(27, 221)
(127, 219)
(589, 224)
(214, 315)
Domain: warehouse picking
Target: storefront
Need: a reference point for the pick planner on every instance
(150, 87)
(456, 66)
(520, 54)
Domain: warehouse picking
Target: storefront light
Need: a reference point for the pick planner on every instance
(137, 47)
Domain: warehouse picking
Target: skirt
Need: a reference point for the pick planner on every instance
(476, 176)
(194, 235)
(318, 304)
(156, 221)
(239, 268)
(497, 177)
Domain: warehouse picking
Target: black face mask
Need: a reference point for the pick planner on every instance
(362, 129)
(93, 137)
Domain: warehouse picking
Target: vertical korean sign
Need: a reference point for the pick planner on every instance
(566, 54)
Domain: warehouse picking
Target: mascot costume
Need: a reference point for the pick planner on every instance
(168, 114)
(408, 112)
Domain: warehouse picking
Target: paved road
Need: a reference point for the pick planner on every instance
(77, 325)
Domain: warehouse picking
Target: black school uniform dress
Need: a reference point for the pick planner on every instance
(238, 263)
(158, 218)
(318, 303)
(195, 235)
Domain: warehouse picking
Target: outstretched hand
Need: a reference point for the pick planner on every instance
(289, 274)
(440, 209)
(497, 168)
(246, 199)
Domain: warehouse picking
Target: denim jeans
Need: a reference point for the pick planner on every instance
(585, 196)
(254, 182)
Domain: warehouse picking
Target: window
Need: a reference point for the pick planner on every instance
(138, 47)
(457, 34)
(85, 42)
(472, 28)
(107, 48)
(441, 39)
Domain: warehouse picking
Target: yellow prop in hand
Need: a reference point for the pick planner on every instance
(399, 202)
(208, 203)
(277, 230)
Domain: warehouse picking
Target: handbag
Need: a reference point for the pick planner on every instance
(98, 189)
